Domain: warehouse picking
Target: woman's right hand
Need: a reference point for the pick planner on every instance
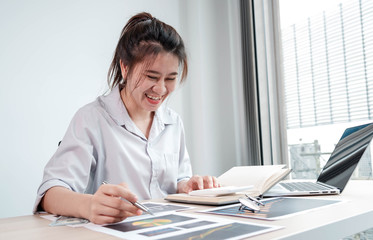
(109, 205)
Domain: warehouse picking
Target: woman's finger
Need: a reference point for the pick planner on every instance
(207, 182)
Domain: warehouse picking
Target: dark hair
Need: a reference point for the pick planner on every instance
(144, 36)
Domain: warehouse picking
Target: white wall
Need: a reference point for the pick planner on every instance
(213, 95)
(54, 57)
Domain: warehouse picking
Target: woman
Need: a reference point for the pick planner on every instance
(127, 138)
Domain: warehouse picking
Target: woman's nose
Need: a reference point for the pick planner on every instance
(160, 87)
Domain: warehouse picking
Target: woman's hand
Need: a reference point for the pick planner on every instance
(109, 205)
(196, 183)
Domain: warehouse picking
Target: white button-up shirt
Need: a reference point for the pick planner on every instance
(102, 143)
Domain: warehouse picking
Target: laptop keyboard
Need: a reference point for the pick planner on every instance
(303, 186)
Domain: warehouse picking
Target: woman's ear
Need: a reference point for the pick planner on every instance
(123, 69)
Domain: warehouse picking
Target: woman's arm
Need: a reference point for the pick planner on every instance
(107, 205)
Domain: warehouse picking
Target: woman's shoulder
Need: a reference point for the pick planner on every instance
(89, 111)
(169, 115)
(90, 107)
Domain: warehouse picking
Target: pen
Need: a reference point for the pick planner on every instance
(137, 204)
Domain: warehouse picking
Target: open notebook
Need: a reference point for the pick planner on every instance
(236, 182)
(337, 171)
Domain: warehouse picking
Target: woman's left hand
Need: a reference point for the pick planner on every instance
(196, 183)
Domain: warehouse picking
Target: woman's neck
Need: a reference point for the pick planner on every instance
(142, 119)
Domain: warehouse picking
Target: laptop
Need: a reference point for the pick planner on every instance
(338, 169)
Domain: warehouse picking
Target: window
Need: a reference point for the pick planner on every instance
(327, 58)
(314, 71)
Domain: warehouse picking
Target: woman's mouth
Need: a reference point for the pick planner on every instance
(154, 97)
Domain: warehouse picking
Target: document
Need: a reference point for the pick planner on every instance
(170, 224)
(80, 222)
(176, 225)
(261, 177)
(275, 208)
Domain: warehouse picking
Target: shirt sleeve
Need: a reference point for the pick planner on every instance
(74, 160)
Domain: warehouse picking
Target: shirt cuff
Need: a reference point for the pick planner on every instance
(182, 179)
(44, 187)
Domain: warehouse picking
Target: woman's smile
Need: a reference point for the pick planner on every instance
(155, 98)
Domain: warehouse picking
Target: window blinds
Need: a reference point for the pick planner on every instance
(328, 66)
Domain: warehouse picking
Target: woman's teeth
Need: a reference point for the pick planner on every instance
(154, 98)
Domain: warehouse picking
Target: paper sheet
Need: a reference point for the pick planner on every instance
(78, 222)
(168, 223)
(183, 226)
(276, 208)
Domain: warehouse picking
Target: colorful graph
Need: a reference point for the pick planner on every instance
(152, 222)
(148, 223)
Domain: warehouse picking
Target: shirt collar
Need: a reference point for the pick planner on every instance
(116, 109)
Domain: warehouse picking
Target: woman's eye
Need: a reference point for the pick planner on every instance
(152, 77)
(170, 79)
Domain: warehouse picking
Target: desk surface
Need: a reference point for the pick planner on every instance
(340, 220)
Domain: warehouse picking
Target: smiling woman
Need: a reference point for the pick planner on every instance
(147, 87)
(133, 47)
(128, 137)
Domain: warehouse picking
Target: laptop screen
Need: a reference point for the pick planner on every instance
(346, 155)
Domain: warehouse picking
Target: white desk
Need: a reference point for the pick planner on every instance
(335, 222)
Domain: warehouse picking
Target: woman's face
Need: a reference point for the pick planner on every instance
(150, 84)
